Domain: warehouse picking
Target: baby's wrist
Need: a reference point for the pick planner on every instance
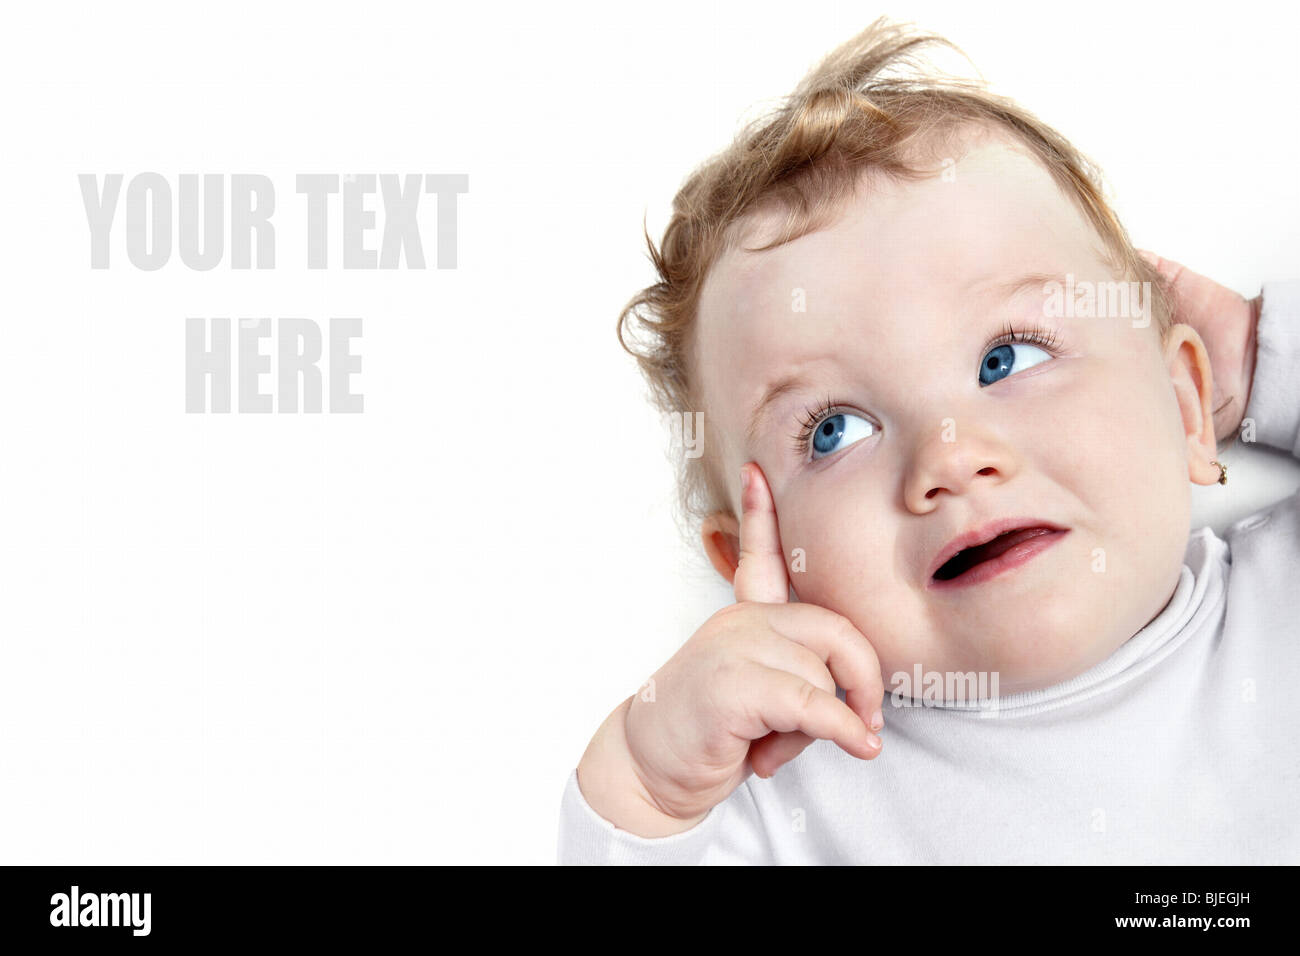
(611, 786)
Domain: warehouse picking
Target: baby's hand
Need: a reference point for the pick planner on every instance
(746, 693)
(1226, 324)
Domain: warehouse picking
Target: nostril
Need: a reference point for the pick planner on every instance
(985, 471)
(932, 492)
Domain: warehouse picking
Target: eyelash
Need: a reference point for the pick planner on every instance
(1034, 335)
(814, 416)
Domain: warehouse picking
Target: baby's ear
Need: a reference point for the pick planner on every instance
(720, 533)
(1193, 382)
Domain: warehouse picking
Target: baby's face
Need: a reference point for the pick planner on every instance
(944, 432)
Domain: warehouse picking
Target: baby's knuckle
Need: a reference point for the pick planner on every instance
(731, 611)
(728, 677)
(738, 619)
(824, 680)
(729, 644)
(807, 696)
(845, 631)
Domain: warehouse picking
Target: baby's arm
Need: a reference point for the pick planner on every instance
(729, 834)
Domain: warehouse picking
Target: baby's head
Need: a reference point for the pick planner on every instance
(839, 294)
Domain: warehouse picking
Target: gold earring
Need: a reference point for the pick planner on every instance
(1223, 471)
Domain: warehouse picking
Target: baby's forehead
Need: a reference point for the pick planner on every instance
(897, 255)
(990, 211)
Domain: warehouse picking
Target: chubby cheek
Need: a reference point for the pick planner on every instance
(1125, 463)
(1136, 470)
(851, 564)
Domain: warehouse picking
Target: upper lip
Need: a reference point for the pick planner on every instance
(984, 534)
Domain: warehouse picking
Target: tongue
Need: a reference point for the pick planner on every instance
(967, 559)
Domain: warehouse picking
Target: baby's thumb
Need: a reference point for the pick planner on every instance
(768, 754)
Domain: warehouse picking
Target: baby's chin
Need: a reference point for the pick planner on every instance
(1059, 640)
(1004, 663)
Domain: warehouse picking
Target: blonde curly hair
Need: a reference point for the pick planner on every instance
(875, 104)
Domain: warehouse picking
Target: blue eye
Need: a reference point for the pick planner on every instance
(1008, 359)
(839, 431)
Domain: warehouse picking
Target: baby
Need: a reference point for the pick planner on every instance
(958, 416)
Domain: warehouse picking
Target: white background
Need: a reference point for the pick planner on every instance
(387, 637)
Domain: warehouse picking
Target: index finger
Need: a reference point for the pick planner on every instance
(761, 574)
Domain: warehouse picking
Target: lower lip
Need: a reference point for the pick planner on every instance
(1008, 560)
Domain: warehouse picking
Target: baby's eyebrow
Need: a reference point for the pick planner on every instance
(1030, 280)
(774, 391)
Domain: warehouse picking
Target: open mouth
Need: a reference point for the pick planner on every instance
(1007, 550)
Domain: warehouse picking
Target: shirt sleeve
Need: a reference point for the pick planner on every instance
(1266, 545)
(1274, 408)
(730, 834)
